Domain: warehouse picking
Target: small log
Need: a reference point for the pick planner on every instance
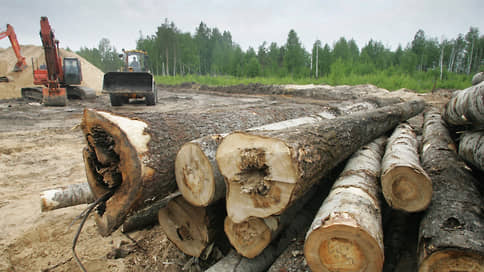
(466, 107)
(134, 154)
(405, 184)
(197, 174)
(471, 148)
(66, 196)
(148, 216)
(478, 78)
(451, 231)
(190, 228)
(346, 234)
(267, 171)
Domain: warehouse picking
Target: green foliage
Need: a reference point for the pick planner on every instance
(105, 57)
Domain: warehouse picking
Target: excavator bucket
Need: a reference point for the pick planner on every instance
(54, 97)
(128, 83)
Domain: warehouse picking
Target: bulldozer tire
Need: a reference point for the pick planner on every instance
(151, 98)
(116, 100)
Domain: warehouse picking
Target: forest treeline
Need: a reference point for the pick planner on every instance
(209, 51)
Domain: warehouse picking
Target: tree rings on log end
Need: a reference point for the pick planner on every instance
(341, 247)
(259, 173)
(194, 175)
(185, 225)
(451, 261)
(249, 237)
(406, 188)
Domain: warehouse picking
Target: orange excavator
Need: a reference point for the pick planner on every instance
(60, 76)
(10, 33)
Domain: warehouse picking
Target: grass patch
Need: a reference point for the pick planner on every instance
(389, 79)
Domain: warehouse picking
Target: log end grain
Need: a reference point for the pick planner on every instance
(259, 173)
(194, 175)
(407, 188)
(342, 247)
(250, 237)
(452, 260)
(184, 224)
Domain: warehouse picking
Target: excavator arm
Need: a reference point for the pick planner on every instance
(10, 33)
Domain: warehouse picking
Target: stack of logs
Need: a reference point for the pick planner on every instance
(257, 183)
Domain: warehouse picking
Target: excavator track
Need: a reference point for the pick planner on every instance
(32, 93)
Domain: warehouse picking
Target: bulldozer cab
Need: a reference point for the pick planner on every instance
(72, 71)
(136, 61)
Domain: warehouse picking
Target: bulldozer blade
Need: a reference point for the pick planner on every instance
(128, 82)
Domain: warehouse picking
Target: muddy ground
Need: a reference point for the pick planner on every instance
(40, 148)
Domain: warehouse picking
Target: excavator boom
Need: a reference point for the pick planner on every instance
(10, 33)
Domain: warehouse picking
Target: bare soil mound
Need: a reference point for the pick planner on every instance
(92, 76)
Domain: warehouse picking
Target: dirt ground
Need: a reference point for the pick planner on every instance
(40, 148)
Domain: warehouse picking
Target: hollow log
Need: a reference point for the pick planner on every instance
(471, 148)
(66, 196)
(192, 229)
(197, 174)
(346, 234)
(466, 107)
(451, 231)
(134, 154)
(405, 185)
(266, 171)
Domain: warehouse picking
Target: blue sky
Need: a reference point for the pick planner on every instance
(83, 23)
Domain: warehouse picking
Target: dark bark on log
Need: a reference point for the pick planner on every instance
(196, 170)
(67, 196)
(471, 148)
(405, 184)
(134, 154)
(466, 107)
(451, 232)
(148, 216)
(346, 234)
(266, 171)
(192, 229)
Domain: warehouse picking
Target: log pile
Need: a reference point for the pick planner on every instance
(253, 179)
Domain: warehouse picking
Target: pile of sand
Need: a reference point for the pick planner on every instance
(92, 76)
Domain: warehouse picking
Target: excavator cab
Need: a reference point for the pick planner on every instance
(72, 71)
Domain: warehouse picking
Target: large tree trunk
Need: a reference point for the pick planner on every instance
(471, 148)
(451, 231)
(134, 154)
(197, 174)
(466, 107)
(192, 229)
(405, 184)
(346, 234)
(266, 171)
(70, 195)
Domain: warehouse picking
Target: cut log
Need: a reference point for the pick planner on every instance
(471, 148)
(266, 171)
(197, 174)
(451, 231)
(466, 107)
(192, 229)
(346, 234)
(148, 216)
(404, 183)
(478, 78)
(251, 237)
(66, 196)
(134, 154)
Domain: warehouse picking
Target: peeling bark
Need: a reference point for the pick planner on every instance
(466, 107)
(405, 185)
(266, 171)
(346, 234)
(452, 228)
(134, 154)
